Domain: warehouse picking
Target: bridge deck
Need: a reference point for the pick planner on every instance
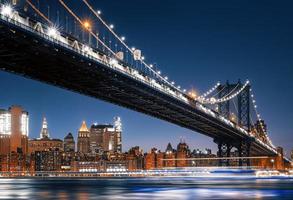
(29, 55)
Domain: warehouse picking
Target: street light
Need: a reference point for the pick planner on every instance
(273, 163)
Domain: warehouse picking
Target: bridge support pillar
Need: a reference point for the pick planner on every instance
(224, 150)
(244, 151)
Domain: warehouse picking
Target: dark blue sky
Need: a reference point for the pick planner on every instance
(196, 43)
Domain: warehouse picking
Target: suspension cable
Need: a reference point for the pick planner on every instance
(127, 47)
(81, 23)
(39, 12)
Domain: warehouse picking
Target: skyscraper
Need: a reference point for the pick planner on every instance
(69, 143)
(14, 130)
(44, 131)
(106, 137)
(83, 140)
(44, 143)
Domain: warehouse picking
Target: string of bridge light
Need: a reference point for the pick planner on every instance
(132, 50)
(210, 91)
(225, 98)
(259, 117)
(53, 31)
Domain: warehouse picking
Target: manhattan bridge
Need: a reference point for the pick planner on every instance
(50, 42)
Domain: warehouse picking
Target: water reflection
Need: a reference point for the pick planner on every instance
(149, 188)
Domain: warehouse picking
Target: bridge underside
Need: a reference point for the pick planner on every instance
(31, 56)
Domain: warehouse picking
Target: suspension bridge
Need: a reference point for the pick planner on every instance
(89, 57)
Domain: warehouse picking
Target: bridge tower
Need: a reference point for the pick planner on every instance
(242, 110)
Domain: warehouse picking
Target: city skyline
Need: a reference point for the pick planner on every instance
(191, 36)
(146, 99)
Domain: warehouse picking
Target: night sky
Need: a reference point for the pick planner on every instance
(195, 43)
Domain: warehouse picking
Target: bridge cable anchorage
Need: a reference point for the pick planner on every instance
(39, 12)
(128, 48)
(82, 24)
(227, 97)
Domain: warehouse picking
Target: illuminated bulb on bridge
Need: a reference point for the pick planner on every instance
(123, 38)
(159, 72)
(172, 82)
(166, 77)
(142, 58)
(192, 94)
(151, 66)
(113, 62)
(133, 48)
(52, 32)
(111, 26)
(6, 10)
(86, 25)
(99, 12)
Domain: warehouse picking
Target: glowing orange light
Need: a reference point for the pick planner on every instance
(86, 24)
(193, 94)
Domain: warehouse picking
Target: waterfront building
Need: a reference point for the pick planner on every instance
(170, 156)
(14, 129)
(150, 159)
(69, 143)
(83, 140)
(106, 137)
(44, 143)
(135, 159)
(182, 154)
(48, 160)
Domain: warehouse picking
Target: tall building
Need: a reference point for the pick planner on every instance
(69, 143)
(106, 137)
(44, 143)
(44, 131)
(83, 140)
(14, 124)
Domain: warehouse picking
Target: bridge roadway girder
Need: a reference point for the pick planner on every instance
(34, 57)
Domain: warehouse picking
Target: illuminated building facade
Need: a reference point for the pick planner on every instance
(14, 128)
(44, 143)
(83, 140)
(106, 138)
(48, 160)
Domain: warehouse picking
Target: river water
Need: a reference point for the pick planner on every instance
(147, 188)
